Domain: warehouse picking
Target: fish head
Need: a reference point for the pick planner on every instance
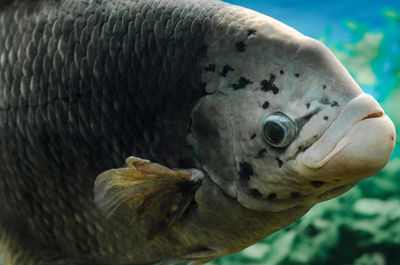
(284, 124)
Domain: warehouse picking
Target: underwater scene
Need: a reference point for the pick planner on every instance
(56, 222)
(361, 227)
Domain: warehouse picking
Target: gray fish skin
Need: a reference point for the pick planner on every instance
(86, 84)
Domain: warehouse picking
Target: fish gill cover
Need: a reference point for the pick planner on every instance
(361, 227)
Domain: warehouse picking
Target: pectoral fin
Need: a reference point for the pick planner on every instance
(140, 187)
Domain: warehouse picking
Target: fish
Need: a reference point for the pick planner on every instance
(169, 131)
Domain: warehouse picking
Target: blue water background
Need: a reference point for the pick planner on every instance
(312, 18)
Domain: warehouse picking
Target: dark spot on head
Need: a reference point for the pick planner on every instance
(210, 68)
(242, 83)
(272, 196)
(300, 122)
(302, 148)
(268, 85)
(262, 153)
(280, 163)
(324, 100)
(240, 46)
(253, 136)
(337, 180)
(335, 104)
(308, 105)
(265, 105)
(251, 32)
(297, 75)
(255, 193)
(226, 69)
(317, 183)
(324, 87)
(295, 195)
(281, 72)
(326, 118)
(245, 171)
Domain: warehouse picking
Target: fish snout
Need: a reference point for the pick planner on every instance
(357, 145)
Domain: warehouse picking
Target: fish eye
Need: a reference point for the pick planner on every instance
(279, 130)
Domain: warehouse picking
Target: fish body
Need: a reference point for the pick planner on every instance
(237, 124)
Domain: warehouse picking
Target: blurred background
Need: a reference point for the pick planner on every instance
(361, 227)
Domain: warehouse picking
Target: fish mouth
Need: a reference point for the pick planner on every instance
(357, 144)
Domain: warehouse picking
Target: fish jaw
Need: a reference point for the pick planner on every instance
(357, 145)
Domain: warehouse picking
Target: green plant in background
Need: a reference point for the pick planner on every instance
(361, 227)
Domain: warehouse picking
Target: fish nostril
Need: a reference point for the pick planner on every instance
(272, 196)
(317, 183)
(295, 195)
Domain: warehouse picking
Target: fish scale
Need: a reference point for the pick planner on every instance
(77, 60)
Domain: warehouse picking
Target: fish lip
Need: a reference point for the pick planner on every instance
(339, 147)
(362, 107)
